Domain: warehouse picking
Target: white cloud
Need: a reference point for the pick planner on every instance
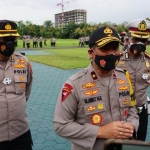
(37, 11)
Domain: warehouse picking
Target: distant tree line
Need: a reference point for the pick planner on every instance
(71, 30)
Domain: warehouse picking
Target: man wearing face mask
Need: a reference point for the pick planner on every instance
(137, 62)
(95, 104)
(15, 87)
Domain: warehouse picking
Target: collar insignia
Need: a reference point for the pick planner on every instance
(94, 76)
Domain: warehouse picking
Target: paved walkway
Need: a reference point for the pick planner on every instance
(46, 86)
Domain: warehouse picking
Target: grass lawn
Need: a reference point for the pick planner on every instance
(59, 42)
(63, 58)
(69, 58)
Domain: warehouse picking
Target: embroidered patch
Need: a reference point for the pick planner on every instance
(100, 106)
(91, 92)
(94, 76)
(125, 113)
(89, 85)
(93, 99)
(119, 81)
(68, 86)
(91, 108)
(22, 86)
(124, 93)
(96, 119)
(21, 78)
(125, 101)
(3, 47)
(65, 93)
(21, 61)
(19, 66)
(102, 63)
(20, 71)
(123, 88)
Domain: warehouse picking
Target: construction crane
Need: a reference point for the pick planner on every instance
(62, 8)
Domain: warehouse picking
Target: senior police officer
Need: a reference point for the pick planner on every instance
(95, 103)
(15, 87)
(137, 62)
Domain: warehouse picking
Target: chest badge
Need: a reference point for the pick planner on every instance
(91, 108)
(7, 81)
(100, 106)
(91, 92)
(145, 76)
(96, 119)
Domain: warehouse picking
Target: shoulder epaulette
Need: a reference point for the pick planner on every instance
(120, 70)
(19, 54)
(78, 74)
(147, 55)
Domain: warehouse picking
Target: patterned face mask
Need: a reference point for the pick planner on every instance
(107, 62)
(7, 48)
(137, 48)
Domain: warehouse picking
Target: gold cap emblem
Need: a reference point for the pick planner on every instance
(8, 26)
(142, 26)
(108, 31)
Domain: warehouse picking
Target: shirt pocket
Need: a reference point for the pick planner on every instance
(124, 107)
(96, 113)
(20, 83)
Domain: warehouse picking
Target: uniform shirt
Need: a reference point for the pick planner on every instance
(86, 102)
(15, 87)
(139, 70)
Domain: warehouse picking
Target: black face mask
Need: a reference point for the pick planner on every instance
(7, 48)
(137, 48)
(107, 62)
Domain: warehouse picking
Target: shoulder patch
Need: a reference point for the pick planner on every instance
(147, 55)
(78, 74)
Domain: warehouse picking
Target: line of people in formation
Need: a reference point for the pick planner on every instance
(37, 42)
(105, 100)
(83, 41)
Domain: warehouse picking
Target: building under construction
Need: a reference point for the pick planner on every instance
(77, 16)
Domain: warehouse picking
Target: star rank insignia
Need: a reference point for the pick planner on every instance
(94, 76)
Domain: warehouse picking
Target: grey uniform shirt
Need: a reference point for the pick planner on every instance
(15, 87)
(86, 102)
(139, 70)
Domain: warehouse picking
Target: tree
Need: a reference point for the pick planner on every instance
(47, 24)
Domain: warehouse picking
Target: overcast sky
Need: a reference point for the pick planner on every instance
(38, 11)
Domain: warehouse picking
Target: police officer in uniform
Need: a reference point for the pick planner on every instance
(137, 62)
(97, 103)
(15, 87)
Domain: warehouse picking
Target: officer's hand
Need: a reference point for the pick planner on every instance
(117, 130)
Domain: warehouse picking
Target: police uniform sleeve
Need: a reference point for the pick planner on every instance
(65, 123)
(29, 80)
